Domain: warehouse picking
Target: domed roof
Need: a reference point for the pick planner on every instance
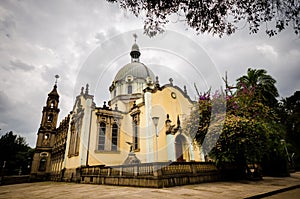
(136, 69)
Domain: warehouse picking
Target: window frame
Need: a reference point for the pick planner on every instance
(136, 145)
(101, 136)
(129, 89)
(114, 137)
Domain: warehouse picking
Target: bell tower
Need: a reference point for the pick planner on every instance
(46, 136)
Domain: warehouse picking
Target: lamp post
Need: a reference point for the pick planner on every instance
(155, 122)
(286, 151)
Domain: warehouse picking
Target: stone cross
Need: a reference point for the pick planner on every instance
(56, 78)
(135, 37)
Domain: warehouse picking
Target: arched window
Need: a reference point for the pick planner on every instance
(129, 89)
(135, 135)
(101, 141)
(46, 139)
(114, 137)
(50, 118)
(42, 166)
(52, 104)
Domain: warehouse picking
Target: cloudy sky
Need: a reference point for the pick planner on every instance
(89, 41)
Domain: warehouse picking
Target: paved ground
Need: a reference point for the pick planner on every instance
(292, 194)
(241, 189)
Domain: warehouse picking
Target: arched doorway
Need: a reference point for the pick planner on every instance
(180, 148)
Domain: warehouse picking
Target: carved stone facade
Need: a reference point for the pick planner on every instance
(108, 122)
(59, 148)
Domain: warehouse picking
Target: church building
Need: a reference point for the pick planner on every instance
(141, 123)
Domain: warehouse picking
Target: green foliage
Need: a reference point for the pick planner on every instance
(216, 17)
(289, 110)
(15, 154)
(259, 84)
(248, 132)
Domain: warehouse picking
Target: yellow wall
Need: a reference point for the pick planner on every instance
(162, 104)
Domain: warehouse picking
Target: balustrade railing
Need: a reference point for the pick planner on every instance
(150, 169)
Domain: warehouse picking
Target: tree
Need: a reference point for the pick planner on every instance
(260, 84)
(289, 109)
(15, 154)
(216, 17)
(249, 132)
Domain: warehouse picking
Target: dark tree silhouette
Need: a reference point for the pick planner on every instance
(217, 17)
(15, 154)
(289, 110)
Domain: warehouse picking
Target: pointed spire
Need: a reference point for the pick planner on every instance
(86, 89)
(54, 90)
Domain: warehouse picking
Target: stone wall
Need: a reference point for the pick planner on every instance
(6, 180)
(156, 175)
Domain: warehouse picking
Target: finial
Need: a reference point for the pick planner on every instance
(104, 104)
(135, 37)
(178, 121)
(171, 81)
(82, 88)
(156, 80)
(184, 88)
(56, 78)
(87, 89)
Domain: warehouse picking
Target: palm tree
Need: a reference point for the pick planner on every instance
(260, 84)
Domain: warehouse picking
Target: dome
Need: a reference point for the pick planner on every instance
(135, 69)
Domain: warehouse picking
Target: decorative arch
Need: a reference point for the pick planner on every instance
(181, 148)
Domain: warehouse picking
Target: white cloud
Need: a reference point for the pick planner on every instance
(268, 51)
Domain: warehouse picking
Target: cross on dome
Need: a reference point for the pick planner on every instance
(56, 78)
(135, 37)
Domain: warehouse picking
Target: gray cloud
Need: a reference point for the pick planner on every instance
(39, 39)
(20, 65)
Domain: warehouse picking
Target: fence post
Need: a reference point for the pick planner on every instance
(156, 170)
(136, 169)
(121, 170)
(108, 171)
(193, 168)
